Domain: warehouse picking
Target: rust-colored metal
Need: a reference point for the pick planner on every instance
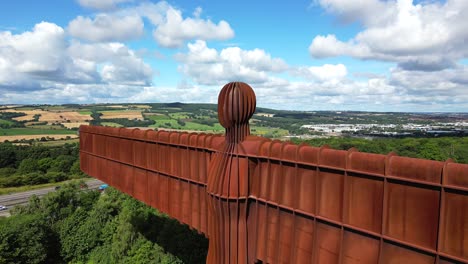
(267, 201)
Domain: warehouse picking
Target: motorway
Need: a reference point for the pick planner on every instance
(10, 200)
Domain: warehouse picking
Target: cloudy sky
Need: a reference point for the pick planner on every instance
(366, 55)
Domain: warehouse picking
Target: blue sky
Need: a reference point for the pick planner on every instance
(366, 55)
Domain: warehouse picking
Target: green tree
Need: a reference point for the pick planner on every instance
(62, 163)
(54, 176)
(7, 155)
(45, 164)
(34, 178)
(28, 165)
(25, 239)
(75, 170)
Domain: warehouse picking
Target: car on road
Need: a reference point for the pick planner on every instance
(2, 207)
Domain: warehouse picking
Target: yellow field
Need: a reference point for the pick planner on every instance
(26, 137)
(29, 114)
(51, 117)
(122, 114)
(129, 106)
(60, 117)
(74, 124)
(116, 106)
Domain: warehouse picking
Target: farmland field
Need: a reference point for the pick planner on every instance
(268, 131)
(33, 131)
(27, 137)
(54, 127)
(74, 124)
(129, 114)
(50, 117)
(5, 122)
(59, 142)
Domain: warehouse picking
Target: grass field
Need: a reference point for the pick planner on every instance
(56, 108)
(195, 126)
(181, 115)
(57, 142)
(84, 112)
(164, 121)
(33, 131)
(157, 117)
(24, 108)
(269, 131)
(46, 127)
(5, 122)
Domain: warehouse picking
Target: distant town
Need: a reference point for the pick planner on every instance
(394, 130)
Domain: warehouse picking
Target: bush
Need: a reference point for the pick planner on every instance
(54, 176)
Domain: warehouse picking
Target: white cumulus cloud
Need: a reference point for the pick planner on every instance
(326, 72)
(105, 28)
(425, 36)
(211, 67)
(26, 64)
(174, 30)
(170, 28)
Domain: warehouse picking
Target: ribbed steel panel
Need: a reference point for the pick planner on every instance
(276, 202)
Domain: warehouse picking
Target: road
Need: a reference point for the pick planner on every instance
(10, 200)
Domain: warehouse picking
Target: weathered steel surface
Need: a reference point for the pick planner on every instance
(276, 202)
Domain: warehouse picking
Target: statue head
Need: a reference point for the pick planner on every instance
(236, 104)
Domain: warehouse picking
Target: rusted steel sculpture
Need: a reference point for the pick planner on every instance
(267, 201)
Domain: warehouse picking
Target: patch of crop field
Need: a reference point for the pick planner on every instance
(46, 127)
(111, 124)
(60, 117)
(268, 131)
(170, 109)
(167, 123)
(192, 126)
(25, 108)
(33, 131)
(74, 124)
(157, 117)
(59, 142)
(27, 137)
(56, 108)
(116, 106)
(29, 114)
(85, 113)
(201, 127)
(181, 115)
(129, 114)
(51, 117)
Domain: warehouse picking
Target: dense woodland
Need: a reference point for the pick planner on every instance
(455, 148)
(30, 165)
(73, 225)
